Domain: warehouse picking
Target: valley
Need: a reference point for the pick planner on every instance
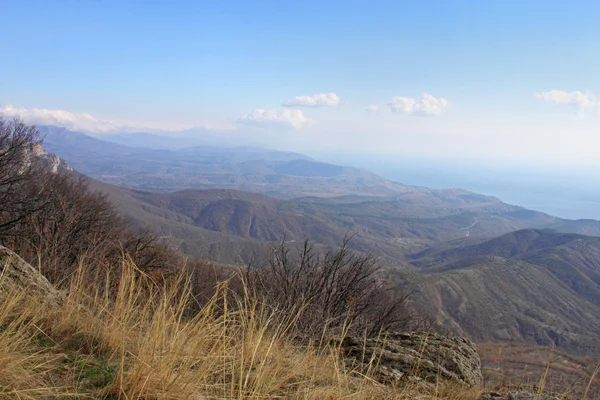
(482, 268)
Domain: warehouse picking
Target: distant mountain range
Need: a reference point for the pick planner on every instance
(276, 173)
(483, 268)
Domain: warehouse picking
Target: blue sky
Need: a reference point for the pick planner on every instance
(503, 80)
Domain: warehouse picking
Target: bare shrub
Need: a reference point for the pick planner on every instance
(17, 141)
(335, 291)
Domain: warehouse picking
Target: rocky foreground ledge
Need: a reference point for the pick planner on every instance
(406, 357)
(517, 396)
(15, 273)
(424, 360)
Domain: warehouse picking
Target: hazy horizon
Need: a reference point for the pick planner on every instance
(571, 194)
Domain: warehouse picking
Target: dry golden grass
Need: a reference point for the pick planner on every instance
(139, 343)
(24, 367)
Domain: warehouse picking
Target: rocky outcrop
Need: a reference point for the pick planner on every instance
(49, 161)
(17, 274)
(520, 395)
(530, 396)
(414, 357)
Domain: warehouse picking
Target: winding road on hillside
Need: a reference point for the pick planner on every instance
(469, 227)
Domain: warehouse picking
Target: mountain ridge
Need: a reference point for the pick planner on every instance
(486, 269)
(279, 174)
(537, 286)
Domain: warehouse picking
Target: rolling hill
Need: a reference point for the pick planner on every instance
(532, 286)
(393, 228)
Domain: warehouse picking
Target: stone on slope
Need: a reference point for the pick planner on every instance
(15, 273)
(519, 395)
(406, 357)
(530, 396)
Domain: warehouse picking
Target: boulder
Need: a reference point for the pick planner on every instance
(17, 274)
(492, 396)
(406, 357)
(530, 396)
(519, 395)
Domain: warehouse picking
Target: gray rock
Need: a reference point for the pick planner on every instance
(530, 396)
(518, 395)
(400, 356)
(492, 396)
(15, 273)
(49, 161)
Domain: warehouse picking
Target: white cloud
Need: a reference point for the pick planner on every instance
(424, 105)
(280, 118)
(582, 101)
(318, 100)
(375, 109)
(78, 122)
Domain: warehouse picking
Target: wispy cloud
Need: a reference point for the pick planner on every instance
(423, 105)
(376, 109)
(318, 100)
(582, 101)
(277, 118)
(79, 122)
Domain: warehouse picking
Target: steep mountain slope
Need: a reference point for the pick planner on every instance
(50, 161)
(84, 153)
(72, 142)
(515, 244)
(536, 286)
(178, 229)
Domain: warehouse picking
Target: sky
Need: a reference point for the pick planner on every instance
(482, 81)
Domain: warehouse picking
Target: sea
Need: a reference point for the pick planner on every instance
(562, 191)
